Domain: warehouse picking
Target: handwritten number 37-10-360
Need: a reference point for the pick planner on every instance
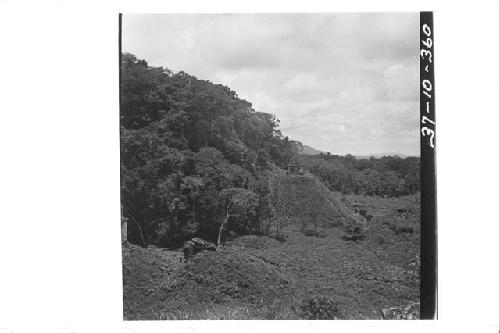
(426, 55)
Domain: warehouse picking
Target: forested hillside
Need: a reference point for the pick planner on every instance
(198, 161)
(195, 158)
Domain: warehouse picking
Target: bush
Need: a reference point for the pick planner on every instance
(281, 238)
(355, 233)
(320, 308)
(272, 311)
(162, 314)
(400, 229)
(380, 240)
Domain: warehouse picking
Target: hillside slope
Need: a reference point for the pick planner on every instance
(260, 278)
(257, 277)
(306, 200)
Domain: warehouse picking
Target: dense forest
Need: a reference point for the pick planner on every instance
(390, 176)
(196, 160)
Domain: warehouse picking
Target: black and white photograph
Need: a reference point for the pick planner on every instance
(270, 166)
(249, 166)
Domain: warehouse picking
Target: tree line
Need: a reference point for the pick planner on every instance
(391, 176)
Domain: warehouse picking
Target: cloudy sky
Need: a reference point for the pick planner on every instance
(344, 83)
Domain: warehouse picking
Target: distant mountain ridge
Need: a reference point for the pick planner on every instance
(308, 150)
(379, 155)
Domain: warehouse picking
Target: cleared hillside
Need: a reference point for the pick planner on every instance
(304, 199)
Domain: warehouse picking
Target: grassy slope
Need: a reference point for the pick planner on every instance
(261, 278)
(300, 195)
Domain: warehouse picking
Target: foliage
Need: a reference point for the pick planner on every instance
(391, 176)
(198, 161)
(238, 205)
(247, 277)
(320, 308)
(192, 155)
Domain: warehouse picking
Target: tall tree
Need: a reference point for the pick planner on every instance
(237, 204)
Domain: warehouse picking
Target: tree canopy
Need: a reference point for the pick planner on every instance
(188, 147)
(389, 175)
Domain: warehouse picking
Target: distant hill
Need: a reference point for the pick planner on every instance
(308, 150)
(379, 155)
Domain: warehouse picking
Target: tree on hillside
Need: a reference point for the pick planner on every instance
(237, 204)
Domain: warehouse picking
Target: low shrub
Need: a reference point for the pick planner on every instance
(355, 233)
(320, 308)
(398, 229)
(408, 230)
(280, 237)
(162, 314)
(380, 239)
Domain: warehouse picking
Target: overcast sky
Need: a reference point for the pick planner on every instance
(344, 83)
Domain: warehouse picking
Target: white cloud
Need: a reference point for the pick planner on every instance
(338, 82)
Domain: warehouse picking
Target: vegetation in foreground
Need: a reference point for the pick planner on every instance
(303, 277)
